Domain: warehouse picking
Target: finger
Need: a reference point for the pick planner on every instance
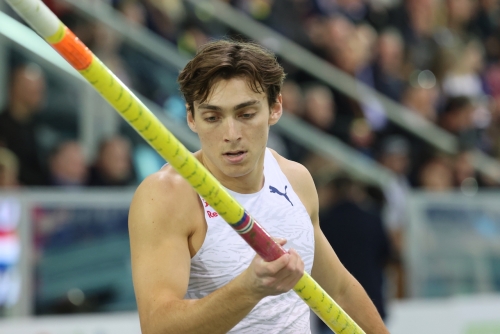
(274, 267)
(296, 260)
(295, 266)
(280, 241)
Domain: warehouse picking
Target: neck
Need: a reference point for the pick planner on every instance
(246, 184)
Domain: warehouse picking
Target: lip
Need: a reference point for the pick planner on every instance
(235, 159)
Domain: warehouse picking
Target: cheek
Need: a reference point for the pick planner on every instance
(259, 135)
(209, 139)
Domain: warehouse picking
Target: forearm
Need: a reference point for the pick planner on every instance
(216, 313)
(360, 308)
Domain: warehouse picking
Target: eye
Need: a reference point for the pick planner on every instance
(211, 119)
(247, 115)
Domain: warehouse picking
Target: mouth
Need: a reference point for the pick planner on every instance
(234, 153)
(235, 156)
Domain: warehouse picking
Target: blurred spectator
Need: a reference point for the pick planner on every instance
(67, 165)
(113, 166)
(388, 68)
(355, 55)
(487, 27)
(319, 107)
(350, 48)
(464, 64)
(394, 155)
(133, 11)
(356, 233)
(17, 125)
(459, 16)
(287, 17)
(437, 175)
(9, 169)
(153, 80)
(191, 39)
(293, 98)
(421, 100)
(457, 118)
(417, 20)
(362, 136)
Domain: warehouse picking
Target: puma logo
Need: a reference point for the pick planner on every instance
(276, 191)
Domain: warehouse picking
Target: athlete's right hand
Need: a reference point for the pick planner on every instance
(276, 277)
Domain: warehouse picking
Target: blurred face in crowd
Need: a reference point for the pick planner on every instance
(458, 120)
(106, 40)
(320, 107)
(436, 175)
(27, 91)
(390, 52)
(115, 159)
(316, 28)
(422, 15)
(397, 162)
(422, 101)
(460, 12)
(68, 165)
(338, 32)
(293, 99)
(473, 57)
(361, 133)
(134, 12)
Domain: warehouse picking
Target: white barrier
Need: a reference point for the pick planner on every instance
(111, 323)
(458, 315)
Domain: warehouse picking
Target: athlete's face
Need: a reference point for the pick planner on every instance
(233, 126)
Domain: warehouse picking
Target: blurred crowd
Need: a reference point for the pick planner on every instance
(438, 58)
(24, 163)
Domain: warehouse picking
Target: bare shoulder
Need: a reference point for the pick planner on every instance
(165, 197)
(300, 180)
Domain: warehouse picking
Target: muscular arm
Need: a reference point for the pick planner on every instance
(160, 226)
(327, 269)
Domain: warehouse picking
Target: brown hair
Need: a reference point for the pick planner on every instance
(225, 60)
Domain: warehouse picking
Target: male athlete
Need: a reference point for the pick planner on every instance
(192, 272)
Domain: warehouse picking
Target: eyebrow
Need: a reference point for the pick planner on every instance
(237, 107)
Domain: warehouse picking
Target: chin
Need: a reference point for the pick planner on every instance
(235, 171)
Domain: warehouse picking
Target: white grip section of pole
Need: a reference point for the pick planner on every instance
(36, 13)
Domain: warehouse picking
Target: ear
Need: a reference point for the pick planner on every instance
(190, 119)
(276, 110)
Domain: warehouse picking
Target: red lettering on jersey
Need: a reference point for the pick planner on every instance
(212, 214)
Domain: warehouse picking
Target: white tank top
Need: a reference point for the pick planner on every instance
(224, 254)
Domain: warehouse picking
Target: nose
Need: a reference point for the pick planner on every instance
(232, 130)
